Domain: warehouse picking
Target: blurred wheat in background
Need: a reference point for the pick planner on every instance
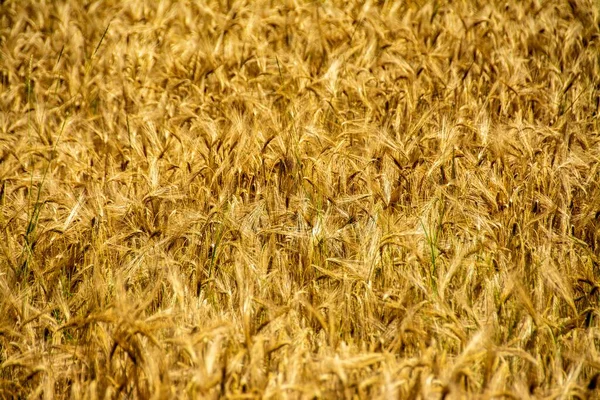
(299, 199)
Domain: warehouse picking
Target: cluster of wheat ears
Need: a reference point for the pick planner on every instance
(299, 199)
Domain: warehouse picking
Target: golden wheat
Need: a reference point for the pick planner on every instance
(299, 199)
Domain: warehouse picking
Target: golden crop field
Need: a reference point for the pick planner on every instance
(299, 199)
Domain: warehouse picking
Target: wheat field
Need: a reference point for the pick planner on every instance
(299, 199)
